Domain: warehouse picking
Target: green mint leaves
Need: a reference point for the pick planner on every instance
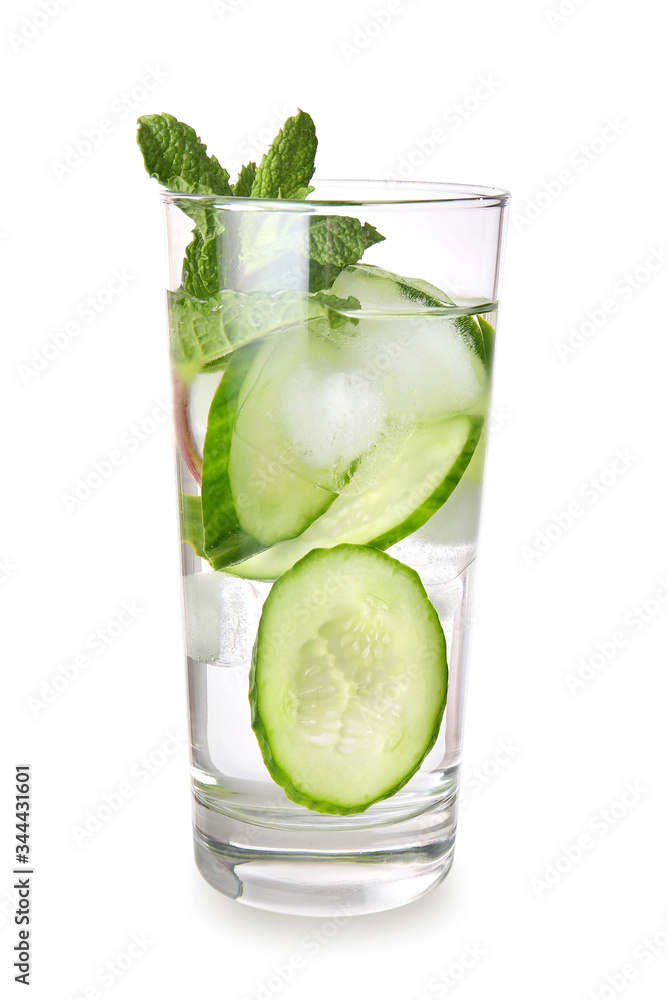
(286, 169)
(200, 266)
(204, 334)
(246, 179)
(336, 241)
(176, 157)
(313, 249)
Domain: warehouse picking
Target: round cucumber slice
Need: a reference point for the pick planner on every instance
(349, 678)
(415, 484)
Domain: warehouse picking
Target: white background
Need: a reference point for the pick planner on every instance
(552, 86)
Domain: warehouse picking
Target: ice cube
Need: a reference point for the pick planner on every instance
(430, 361)
(221, 618)
(331, 417)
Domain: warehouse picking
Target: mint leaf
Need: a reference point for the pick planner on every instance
(287, 167)
(302, 193)
(312, 252)
(200, 266)
(336, 307)
(339, 240)
(335, 242)
(243, 186)
(204, 334)
(175, 155)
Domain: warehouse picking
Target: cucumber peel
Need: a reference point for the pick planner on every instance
(416, 484)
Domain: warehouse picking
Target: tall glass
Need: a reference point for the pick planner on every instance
(344, 429)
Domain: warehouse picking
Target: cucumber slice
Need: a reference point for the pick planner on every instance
(377, 288)
(249, 499)
(385, 410)
(272, 502)
(278, 487)
(310, 411)
(385, 291)
(224, 539)
(415, 485)
(349, 678)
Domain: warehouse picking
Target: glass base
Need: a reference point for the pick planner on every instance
(290, 871)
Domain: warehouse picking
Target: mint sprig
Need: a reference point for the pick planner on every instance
(175, 156)
(289, 164)
(246, 179)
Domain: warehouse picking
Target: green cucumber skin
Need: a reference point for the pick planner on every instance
(489, 336)
(225, 541)
(470, 324)
(277, 773)
(413, 290)
(414, 521)
(440, 494)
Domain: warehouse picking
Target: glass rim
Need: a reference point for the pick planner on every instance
(391, 193)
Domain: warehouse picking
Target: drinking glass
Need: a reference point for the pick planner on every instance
(346, 405)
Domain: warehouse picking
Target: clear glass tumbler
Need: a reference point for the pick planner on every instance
(331, 368)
